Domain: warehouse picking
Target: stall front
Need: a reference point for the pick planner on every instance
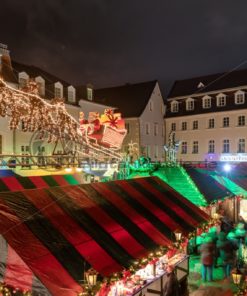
(124, 230)
(223, 191)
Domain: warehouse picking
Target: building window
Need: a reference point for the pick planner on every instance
(173, 126)
(174, 107)
(147, 129)
(58, 92)
(221, 100)
(184, 148)
(190, 105)
(206, 102)
(89, 93)
(156, 129)
(195, 124)
(150, 106)
(195, 147)
(148, 151)
(156, 151)
(241, 120)
(127, 127)
(71, 94)
(226, 121)
(211, 146)
(211, 123)
(22, 82)
(239, 98)
(241, 146)
(184, 126)
(41, 85)
(226, 146)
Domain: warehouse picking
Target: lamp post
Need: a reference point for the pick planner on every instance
(236, 276)
(91, 277)
(178, 235)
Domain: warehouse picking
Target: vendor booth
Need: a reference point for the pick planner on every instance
(220, 191)
(95, 239)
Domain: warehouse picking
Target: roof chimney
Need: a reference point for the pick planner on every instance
(4, 49)
(6, 70)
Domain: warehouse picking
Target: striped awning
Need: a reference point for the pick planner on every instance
(60, 231)
(209, 186)
(19, 183)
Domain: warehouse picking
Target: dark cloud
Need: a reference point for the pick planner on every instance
(109, 42)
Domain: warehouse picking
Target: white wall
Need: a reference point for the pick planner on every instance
(156, 115)
(204, 134)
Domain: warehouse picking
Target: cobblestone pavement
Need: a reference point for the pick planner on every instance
(219, 286)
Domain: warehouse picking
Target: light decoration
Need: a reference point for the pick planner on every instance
(107, 129)
(6, 290)
(35, 114)
(118, 282)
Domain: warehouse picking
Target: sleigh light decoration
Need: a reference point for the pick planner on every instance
(107, 130)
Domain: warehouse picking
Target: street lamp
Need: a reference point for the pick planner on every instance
(91, 277)
(236, 276)
(178, 235)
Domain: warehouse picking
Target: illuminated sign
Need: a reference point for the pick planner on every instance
(234, 157)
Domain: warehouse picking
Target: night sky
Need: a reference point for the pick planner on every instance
(112, 42)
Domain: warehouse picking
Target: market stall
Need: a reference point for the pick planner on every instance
(121, 233)
(19, 183)
(226, 190)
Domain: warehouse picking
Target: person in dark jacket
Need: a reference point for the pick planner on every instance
(227, 253)
(207, 250)
(171, 286)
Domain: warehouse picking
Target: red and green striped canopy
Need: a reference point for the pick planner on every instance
(19, 183)
(60, 231)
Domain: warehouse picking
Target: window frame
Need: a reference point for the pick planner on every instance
(207, 99)
(226, 146)
(211, 123)
(221, 100)
(237, 95)
(174, 107)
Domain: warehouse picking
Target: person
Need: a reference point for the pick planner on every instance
(171, 286)
(227, 253)
(226, 225)
(207, 250)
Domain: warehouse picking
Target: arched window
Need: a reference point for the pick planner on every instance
(174, 106)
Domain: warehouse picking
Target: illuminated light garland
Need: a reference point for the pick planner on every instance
(124, 275)
(35, 114)
(6, 290)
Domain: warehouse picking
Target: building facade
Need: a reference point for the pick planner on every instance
(208, 117)
(143, 109)
(18, 142)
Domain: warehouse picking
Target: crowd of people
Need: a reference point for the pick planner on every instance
(223, 247)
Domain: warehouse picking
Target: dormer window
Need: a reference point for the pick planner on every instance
(206, 102)
(89, 93)
(221, 100)
(58, 90)
(200, 85)
(239, 97)
(71, 94)
(174, 106)
(41, 85)
(189, 104)
(23, 79)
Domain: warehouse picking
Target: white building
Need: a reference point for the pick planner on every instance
(17, 75)
(143, 109)
(208, 116)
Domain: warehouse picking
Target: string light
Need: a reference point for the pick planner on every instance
(26, 109)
